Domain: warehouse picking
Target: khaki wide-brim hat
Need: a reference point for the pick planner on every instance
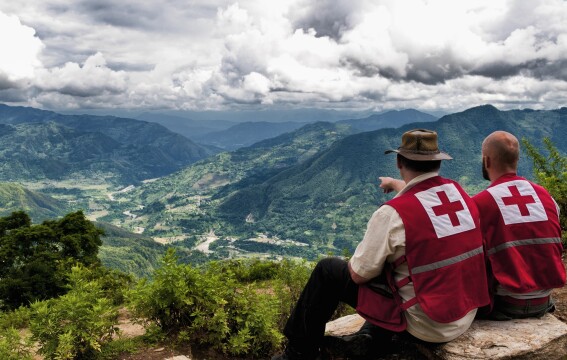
(420, 145)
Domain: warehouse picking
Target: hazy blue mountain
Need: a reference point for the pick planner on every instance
(248, 133)
(390, 119)
(191, 129)
(274, 115)
(328, 198)
(37, 144)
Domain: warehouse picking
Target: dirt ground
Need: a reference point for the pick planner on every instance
(162, 353)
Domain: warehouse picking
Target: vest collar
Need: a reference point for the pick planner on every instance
(416, 180)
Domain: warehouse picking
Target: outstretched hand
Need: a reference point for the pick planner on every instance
(389, 184)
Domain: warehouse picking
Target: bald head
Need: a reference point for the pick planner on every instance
(503, 150)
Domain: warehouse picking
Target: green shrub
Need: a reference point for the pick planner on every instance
(114, 349)
(167, 300)
(210, 306)
(77, 324)
(18, 319)
(551, 172)
(13, 346)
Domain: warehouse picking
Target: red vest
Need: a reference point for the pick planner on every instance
(444, 255)
(522, 235)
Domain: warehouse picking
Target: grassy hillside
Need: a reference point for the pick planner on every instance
(14, 197)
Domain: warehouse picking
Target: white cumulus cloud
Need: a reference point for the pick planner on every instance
(213, 54)
(20, 51)
(93, 78)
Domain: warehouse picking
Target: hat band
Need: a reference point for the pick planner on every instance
(423, 152)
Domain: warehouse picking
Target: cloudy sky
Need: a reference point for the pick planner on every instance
(214, 54)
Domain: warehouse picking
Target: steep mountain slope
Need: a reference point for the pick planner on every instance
(328, 199)
(39, 207)
(180, 208)
(255, 163)
(38, 144)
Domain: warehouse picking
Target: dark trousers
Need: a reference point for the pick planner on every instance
(506, 311)
(329, 284)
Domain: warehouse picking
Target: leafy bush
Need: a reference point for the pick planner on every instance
(13, 346)
(220, 305)
(18, 319)
(551, 172)
(77, 324)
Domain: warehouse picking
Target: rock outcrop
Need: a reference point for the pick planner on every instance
(533, 339)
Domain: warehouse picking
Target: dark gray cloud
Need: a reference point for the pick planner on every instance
(548, 69)
(429, 71)
(163, 15)
(542, 69)
(130, 67)
(14, 96)
(5, 82)
(119, 13)
(327, 17)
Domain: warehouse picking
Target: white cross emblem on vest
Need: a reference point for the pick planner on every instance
(518, 202)
(447, 210)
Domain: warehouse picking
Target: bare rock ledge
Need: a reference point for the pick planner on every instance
(533, 339)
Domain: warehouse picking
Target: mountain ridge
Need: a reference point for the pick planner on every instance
(126, 150)
(317, 193)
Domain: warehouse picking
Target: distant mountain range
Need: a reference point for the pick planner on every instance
(390, 119)
(250, 164)
(315, 184)
(326, 199)
(191, 129)
(38, 144)
(230, 136)
(247, 133)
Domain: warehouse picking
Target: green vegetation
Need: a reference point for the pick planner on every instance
(301, 194)
(316, 186)
(77, 324)
(39, 145)
(235, 307)
(551, 172)
(35, 259)
(39, 206)
(209, 306)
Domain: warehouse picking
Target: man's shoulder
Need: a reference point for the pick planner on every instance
(480, 195)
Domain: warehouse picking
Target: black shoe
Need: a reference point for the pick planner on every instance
(292, 353)
(357, 345)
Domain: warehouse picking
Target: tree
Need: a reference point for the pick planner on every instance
(551, 172)
(35, 259)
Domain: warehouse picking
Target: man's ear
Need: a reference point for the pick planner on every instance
(398, 163)
(487, 162)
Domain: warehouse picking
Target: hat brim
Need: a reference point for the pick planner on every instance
(421, 157)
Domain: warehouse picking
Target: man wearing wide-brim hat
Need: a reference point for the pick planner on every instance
(419, 270)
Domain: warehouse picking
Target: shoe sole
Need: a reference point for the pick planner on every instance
(350, 345)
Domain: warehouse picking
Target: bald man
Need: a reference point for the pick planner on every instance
(522, 236)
